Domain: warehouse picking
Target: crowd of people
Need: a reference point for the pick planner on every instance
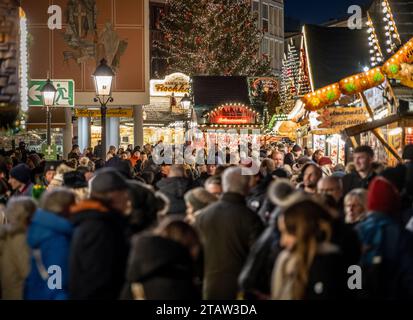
(120, 226)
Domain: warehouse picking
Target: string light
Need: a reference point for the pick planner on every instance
(392, 35)
(375, 51)
(24, 82)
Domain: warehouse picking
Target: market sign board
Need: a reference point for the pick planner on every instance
(333, 120)
(49, 152)
(268, 85)
(232, 115)
(110, 113)
(176, 83)
(65, 95)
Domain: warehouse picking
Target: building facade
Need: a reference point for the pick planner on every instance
(271, 20)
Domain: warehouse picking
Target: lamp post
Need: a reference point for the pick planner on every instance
(49, 95)
(103, 77)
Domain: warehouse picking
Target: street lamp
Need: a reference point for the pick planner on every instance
(49, 94)
(186, 102)
(103, 85)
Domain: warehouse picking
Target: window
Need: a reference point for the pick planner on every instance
(265, 44)
(272, 54)
(255, 5)
(265, 22)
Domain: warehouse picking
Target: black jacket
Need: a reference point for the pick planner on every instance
(164, 268)
(98, 253)
(353, 181)
(228, 230)
(175, 189)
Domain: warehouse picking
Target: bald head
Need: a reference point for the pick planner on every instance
(332, 186)
(233, 181)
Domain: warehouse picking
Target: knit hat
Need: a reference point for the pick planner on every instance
(199, 198)
(108, 180)
(21, 173)
(51, 166)
(382, 196)
(408, 152)
(324, 161)
(74, 180)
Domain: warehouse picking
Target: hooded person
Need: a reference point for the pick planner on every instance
(174, 186)
(387, 257)
(14, 251)
(99, 245)
(20, 180)
(49, 239)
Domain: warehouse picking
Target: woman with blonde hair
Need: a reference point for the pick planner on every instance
(310, 266)
(14, 250)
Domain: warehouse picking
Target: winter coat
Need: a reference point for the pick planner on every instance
(228, 230)
(326, 277)
(98, 252)
(14, 262)
(49, 238)
(175, 189)
(26, 192)
(387, 259)
(255, 278)
(353, 181)
(258, 194)
(162, 267)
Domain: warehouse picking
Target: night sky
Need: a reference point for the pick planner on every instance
(319, 11)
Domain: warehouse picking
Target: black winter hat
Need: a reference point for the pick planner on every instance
(74, 180)
(122, 166)
(21, 173)
(408, 152)
(107, 180)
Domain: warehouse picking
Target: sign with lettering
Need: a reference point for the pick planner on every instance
(335, 119)
(232, 115)
(176, 83)
(267, 85)
(111, 113)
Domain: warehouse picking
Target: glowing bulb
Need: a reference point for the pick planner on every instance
(384, 19)
(388, 15)
(384, 3)
(394, 35)
(388, 50)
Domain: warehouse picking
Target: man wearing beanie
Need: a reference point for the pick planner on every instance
(20, 181)
(387, 260)
(99, 247)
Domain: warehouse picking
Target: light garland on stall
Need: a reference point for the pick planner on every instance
(24, 69)
(376, 56)
(392, 35)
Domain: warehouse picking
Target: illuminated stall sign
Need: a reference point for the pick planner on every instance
(232, 114)
(176, 83)
(269, 85)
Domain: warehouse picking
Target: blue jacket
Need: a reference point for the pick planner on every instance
(387, 258)
(49, 235)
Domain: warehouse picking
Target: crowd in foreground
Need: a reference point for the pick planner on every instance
(119, 226)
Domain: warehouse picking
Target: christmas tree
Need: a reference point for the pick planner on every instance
(212, 37)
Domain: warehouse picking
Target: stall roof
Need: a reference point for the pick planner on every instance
(403, 16)
(213, 91)
(335, 53)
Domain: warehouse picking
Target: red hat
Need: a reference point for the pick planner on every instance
(324, 160)
(382, 196)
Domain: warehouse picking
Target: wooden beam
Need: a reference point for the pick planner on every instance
(353, 141)
(368, 126)
(389, 147)
(377, 131)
